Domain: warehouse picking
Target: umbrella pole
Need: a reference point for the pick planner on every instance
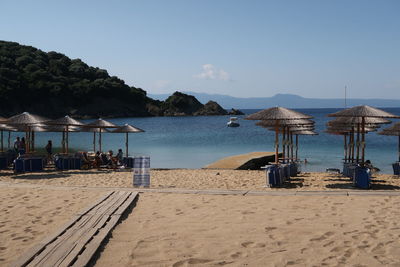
(345, 147)
(297, 144)
(362, 140)
(358, 143)
(63, 143)
(9, 139)
(27, 137)
(352, 145)
(66, 141)
(291, 147)
(33, 141)
(277, 141)
(283, 143)
(126, 144)
(94, 142)
(287, 144)
(100, 139)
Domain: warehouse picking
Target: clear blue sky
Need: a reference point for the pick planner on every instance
(242, 48)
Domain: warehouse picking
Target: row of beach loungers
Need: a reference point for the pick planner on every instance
(35, 163)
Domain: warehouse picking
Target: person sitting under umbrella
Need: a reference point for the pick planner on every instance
(119, 156)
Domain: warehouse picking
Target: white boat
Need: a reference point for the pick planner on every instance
(233, 122)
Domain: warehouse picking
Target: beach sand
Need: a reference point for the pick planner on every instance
(195, 179)
(182, 230)
(29, 215)
(186, 230)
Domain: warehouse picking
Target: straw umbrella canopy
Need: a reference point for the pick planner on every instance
(277, 114)
(363, 112)
(357, 120)
(27, 120)
(66, 121)
(127, 129)
(393, 130)
(100, 124)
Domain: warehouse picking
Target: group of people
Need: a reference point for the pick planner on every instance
(104, 159)
(100, 159)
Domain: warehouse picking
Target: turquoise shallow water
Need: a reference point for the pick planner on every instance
(193, 142)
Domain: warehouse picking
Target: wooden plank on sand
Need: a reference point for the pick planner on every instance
(78, 240)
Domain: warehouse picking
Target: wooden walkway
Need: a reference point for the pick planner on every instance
(76, 243)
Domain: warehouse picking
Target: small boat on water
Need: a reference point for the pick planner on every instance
(233, 122)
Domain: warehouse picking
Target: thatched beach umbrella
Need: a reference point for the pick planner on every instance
(356, 122)
(349, 130)
(277, 114)
(127, 129)
(393, 130)
(66, 121)
(100, 124)
(26, 120)
(363, 112)
(286, 127)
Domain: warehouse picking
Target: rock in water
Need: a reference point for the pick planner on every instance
(211, 108)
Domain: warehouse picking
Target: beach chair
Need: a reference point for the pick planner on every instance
(273, 175)
(3, 163)
(362, 177)
(396, 168)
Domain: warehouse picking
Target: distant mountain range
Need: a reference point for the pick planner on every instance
(286, 100)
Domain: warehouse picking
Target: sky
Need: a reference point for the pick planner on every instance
(242, 48)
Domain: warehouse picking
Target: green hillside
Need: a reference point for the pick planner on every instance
(53, 85)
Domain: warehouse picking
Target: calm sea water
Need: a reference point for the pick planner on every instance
(193, 142)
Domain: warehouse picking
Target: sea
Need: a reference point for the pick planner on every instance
(194, 142)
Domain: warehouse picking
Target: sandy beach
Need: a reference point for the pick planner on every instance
(29, 215)
(194, 229)
(257, 231)
(195, 179)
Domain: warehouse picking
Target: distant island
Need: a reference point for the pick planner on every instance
(53, 85)
(286, 100)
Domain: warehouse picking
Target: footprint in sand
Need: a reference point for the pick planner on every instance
(190, 261)
(269, 229)
(322, 237)
(236, 255)
(328, 244)
(247, 244)
(18, 238)
(248, 212)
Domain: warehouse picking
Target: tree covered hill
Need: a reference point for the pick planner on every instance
(53, 85)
